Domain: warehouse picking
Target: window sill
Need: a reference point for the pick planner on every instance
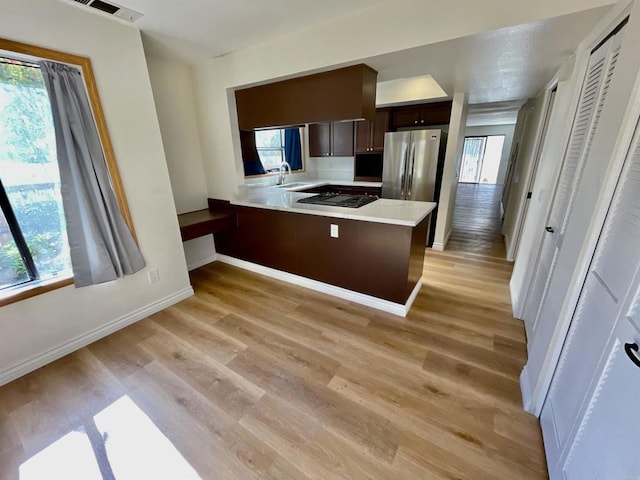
(29, 290)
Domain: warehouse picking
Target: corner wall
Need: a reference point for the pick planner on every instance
(172, 84)
(38, 330)
(451, 173)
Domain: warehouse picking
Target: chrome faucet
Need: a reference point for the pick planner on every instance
(283, 171)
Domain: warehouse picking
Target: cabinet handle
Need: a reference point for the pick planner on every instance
(549, 229)
(421, 121)
(416, 122)
(629, 348)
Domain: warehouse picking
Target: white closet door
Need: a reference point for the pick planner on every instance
(576, 224)
(610, 284)
(602, 65)
(606, 446)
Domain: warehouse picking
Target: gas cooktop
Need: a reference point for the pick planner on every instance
(339, 200)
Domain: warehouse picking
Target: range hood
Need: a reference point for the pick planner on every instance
(338, 95)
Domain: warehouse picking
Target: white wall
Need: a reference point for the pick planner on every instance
(333, 168)
(451, 172)
(34, 331)
(507, 131)
(403, 24)
(172, 85)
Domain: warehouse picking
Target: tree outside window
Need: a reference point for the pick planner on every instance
(30, 181)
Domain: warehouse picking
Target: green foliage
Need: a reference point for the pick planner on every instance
(12, 269)
(38, 217)
(17, 74)
(25, 120)
(45, 249)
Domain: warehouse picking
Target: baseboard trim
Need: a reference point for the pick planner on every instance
(507, 245)
(202, 262)
(525, 390)
(350, 295)
(80, 341)
(437, 246)
(516, 308)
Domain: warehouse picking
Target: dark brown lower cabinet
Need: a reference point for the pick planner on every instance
(376, 259)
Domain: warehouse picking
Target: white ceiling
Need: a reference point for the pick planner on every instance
(200, 29)
(505, 65)
(511, 63)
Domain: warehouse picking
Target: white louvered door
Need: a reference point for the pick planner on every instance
(590, 410)
(600, 71)
(581, 200)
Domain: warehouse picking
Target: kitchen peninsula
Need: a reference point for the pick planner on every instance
(372, 255)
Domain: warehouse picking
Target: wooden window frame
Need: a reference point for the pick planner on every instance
(86, 68)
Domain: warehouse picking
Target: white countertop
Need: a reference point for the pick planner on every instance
(383, 210)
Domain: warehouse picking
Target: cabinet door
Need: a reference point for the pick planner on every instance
(406, 117)
(438, 113)
(319, 139)
(363, 136)
(380, 128)
(342, 139)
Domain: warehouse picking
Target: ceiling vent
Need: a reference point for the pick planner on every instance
(110, 8)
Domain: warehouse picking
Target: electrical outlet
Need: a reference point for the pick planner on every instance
(334, 231)
(154, 275)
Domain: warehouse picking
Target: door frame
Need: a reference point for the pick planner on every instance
(535, 395)
(550, 101)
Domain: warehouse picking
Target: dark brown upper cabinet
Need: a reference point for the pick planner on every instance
(333, 139)
(438, 113)
(338, 95)
(369, 135)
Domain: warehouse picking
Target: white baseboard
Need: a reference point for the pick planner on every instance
(525, 390)
(441, 246)
(507, 245)
(516, 308)
(202, 262)
(350, 295)
(438, 246)
(83, 340)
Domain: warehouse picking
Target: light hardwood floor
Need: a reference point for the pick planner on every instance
(476, 220)
(254, 378)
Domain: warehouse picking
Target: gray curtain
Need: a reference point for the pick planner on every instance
(102, 247)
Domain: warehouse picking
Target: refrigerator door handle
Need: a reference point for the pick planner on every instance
(412, 157)
(403, 174)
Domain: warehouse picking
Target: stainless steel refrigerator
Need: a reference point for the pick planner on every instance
(412, 168)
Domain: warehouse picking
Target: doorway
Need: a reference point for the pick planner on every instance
(481, 159)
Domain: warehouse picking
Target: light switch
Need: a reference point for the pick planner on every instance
(334, 231)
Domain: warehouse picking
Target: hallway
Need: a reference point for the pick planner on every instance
(476, 221)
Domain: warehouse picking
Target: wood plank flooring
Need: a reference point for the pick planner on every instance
(257, 379)
(477, 226)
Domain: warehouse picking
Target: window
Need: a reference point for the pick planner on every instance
(33, 239)
(481, 159)
(264, 151)
(270, 146)
(34, 251)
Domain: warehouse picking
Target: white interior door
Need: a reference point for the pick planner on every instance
(600, 71)
(592, 363)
